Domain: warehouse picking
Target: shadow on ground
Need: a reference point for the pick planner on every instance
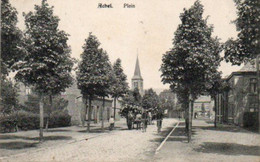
(225, 128)
(46, 138)
(59, 130)
(228, 149)
(99, 130)
(179, 134)
(17, 145)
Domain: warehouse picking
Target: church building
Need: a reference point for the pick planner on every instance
(137, 80)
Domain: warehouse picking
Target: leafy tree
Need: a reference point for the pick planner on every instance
(150, 99)
(167, 100)
(247, 45)
(190, 66)
(47, 63)
(128, 98)
(120, 87)
(11, 37)
(108, 79)
(9, 93)
(94, 72)
(32, 104)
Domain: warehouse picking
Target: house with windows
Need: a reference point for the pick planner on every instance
(238, 103)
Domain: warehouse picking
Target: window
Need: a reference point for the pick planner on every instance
(136, 84)
(253, 85)
(236, 78)
(27, 91)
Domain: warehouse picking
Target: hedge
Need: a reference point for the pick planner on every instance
(24, 120)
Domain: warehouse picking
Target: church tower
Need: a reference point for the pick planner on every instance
(137, 80)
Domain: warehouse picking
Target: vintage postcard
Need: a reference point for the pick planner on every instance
(130, 80)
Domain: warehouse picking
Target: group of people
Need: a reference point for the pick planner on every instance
(140, 118)
(145, 118)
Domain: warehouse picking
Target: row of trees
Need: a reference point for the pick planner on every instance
(191, 66)
(165, 100)
(41, 58)
(97, 77)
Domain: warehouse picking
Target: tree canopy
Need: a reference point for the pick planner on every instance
(167, 100)
(190, 67)
(11, 37)
(47, 63)
(247, 45)
(94, 69)
(120, 86)
(9, 96)
(150, 99)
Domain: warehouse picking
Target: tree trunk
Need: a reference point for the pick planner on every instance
(115, 108)
(189, 119)
(102, 114)
(84, 110)
(215, 105)
(89, 114)
(49, 113)
(192, 109)
(41, 119)
(258, 89)
(186, 114)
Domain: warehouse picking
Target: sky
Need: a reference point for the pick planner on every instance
(146, 30)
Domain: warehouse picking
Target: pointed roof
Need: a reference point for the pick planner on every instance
(137, 73)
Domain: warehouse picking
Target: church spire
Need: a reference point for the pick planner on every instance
(137, 73)
(137, 80)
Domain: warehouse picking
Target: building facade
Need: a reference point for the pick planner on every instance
(76, 106)
(203, 106)
(238, 103)
(78, 109)
(137, 80)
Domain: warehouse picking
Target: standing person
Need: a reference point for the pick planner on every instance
(144, 120)
(111, 122)
(149, 117)
(138, 120)
(159, 118)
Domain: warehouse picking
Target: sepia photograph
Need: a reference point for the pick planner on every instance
(130, 80)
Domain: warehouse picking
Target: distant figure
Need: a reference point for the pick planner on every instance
(159, 118)
(130, 120)
(144, 120)
(111, 122)
(138, 120)
(179, 117)
(196, 115)
(149, 118)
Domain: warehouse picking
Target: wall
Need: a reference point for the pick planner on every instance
(78, 110)
(238, 101)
